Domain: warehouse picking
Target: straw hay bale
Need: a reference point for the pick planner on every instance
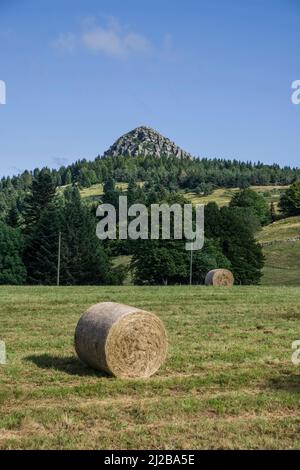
(219, 277)
(121, 340)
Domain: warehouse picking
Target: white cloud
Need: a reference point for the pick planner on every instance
(66, 42)
(113, 40)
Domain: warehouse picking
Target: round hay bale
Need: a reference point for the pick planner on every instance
(219, 277)
(121, 340)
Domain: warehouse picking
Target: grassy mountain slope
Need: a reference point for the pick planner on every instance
(222, 196)
(283, 230)
(282, 252)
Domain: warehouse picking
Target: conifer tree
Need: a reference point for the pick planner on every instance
(12, 269)
(41, 194)
(13, 217)
(41, 253)
(110, 193)
(290, 201)
(84, 260)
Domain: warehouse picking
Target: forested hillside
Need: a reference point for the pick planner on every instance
(50, 214)
(145, 155)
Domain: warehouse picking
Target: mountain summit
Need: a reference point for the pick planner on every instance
(144, 141)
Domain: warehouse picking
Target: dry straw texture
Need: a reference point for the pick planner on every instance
(219, 277)
(121, 340)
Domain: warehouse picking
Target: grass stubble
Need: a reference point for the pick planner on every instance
(228, 382)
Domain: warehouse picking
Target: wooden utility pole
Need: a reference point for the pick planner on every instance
(191, 267)
(58, 258)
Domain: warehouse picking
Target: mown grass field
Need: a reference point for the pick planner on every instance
(228, 381)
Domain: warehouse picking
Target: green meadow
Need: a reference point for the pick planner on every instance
(281, 246)
(228, 381)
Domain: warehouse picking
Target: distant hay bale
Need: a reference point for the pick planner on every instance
(219, 277)
(121, 340)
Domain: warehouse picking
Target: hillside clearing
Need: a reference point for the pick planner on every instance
(281, 246)
(228, 381)
(222, 196)
(282, 264)
(96, 190)
(282, 230)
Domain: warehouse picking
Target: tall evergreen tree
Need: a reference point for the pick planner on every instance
(110, 192)
(41, 253)
(41, 194)
(12, 269)
(68, 177)
(132, 192)
(290, 201)
(41, 230)
(84, 260)
(13, 218)
(212, 220)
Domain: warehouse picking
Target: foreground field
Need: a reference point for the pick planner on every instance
(228, 381)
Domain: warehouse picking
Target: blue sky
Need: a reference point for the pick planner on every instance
(214, 76)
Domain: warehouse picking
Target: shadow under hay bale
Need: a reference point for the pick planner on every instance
(219, 277)
(70, 365)
(121, 340)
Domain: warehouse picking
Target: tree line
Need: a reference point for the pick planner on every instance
(199, 175)
(30, 235)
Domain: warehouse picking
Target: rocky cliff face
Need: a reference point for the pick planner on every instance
(144, 141)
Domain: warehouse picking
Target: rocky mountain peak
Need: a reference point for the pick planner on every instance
(144, 141)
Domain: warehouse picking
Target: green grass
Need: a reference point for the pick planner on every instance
(95, 191)
(228, 381)
(223, 196)
(124, 260)
(281, 230)
(282, 263)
